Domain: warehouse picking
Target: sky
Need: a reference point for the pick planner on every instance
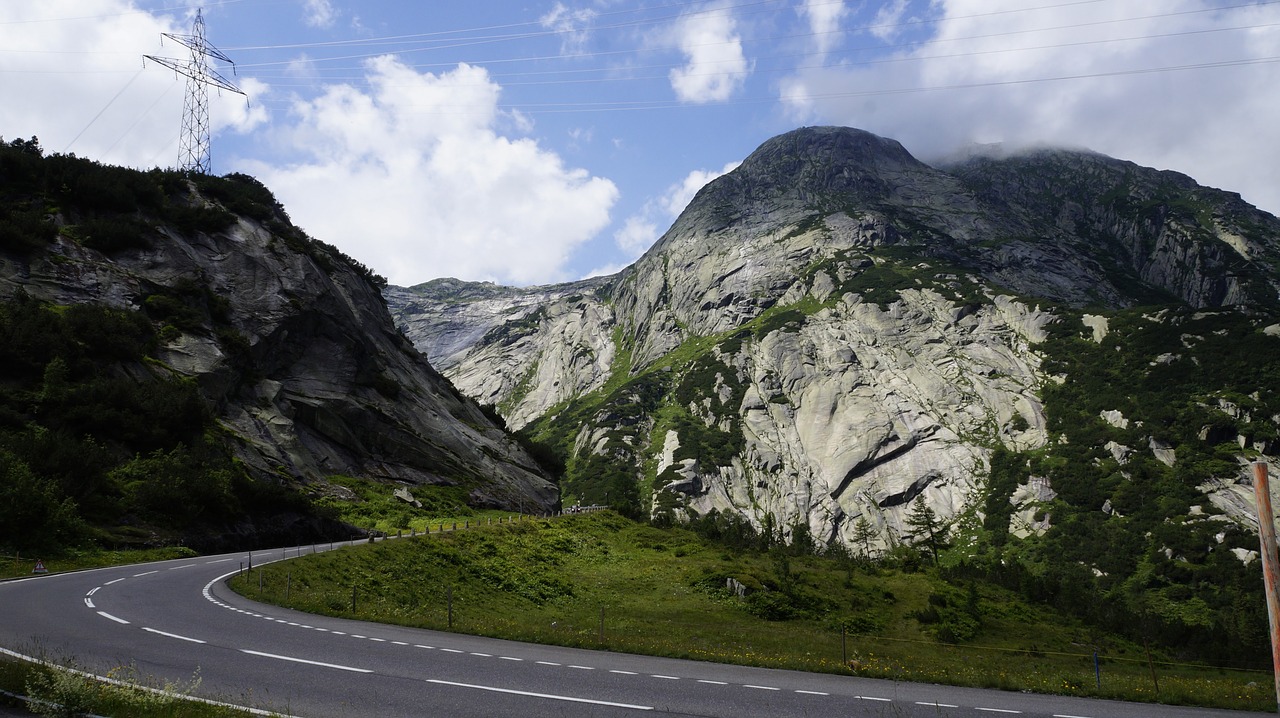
(542, 141)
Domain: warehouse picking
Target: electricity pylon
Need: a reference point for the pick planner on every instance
(193, 150)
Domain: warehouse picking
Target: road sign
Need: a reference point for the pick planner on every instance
(39, 567)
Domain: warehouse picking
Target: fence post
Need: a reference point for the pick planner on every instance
(1097, 670)
(1270, 569)
(450, 598)
(288, 583)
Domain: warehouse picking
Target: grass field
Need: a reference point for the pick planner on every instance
(602, 581)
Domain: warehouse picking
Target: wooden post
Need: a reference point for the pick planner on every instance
(288, 583)
(1270, 563)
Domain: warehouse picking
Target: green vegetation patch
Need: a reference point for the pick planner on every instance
(601, 581)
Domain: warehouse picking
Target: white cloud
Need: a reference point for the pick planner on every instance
(715, 65)
(320, 13)
(638, 233)
(573, 25)
(410, 177)
(1208, 123)
(824, 21)
(885, 25)
(641, 230)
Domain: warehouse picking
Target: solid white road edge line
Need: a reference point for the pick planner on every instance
(541, 695)
(172, 635)
(303, 660)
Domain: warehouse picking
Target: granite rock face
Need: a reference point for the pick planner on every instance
(305, 369)
(835, 329)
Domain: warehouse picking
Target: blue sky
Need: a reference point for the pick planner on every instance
(546, 140)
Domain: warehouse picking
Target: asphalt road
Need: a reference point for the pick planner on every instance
(176, 620)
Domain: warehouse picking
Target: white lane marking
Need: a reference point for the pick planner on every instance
(399, 643)
(482, 655)
(763, 688)
(356, 635)
(665, 678)
(583, 668)
(118, 580)
(146, 573)
(337, 633)
(172, 635)
(626, 673)
(452, 650)
(997, 710)
(89, 602)
(175, 568)
(816, 693)
(546, 663)
(510, 658)
(303, 660)
(1064, 715)
(873, 698)
(95, 590)
(419, 645)
(541, 695)
(935, 705)
(713, 683)
(221, 560)
(104, 614)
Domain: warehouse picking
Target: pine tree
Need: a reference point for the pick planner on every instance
(925, 522)
(862, 535)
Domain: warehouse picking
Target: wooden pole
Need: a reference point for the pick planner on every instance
(1270, 563)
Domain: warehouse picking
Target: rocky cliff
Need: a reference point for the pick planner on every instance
(288, 340)
(835, 331)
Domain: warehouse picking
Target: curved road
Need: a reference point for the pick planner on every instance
(174, 620)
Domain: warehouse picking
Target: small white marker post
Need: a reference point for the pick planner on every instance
(1270, 563)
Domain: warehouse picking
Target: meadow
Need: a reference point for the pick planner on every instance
(603, 581)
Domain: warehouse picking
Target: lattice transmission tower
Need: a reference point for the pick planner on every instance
(193, 149)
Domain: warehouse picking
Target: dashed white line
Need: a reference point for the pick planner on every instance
(419, 645)
(626, 673)
(1064, 715)
(452, 650)
(104, 614)
(146, 573)
(303, 660)
(546, 663)
(713, 683)
(998, 710)
(399, 643)
(763, 688)
(93, 591)
(510, 658)
(548, 696)
(873, 698)
(221, 560)
(665, 678)
(813, 693)
(482, 655)
(583, 668)
(172, 635)
(356, 635)
(175, 568)
(378, 640)
(935, 705)
(337, 633)
(118, 580)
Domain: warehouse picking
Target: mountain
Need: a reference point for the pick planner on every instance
(1064, 359)
(279, 346)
